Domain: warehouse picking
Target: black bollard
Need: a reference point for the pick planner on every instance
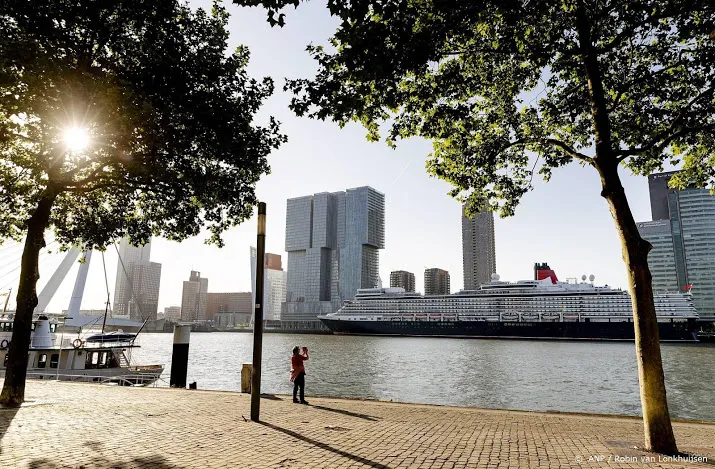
(180, 357)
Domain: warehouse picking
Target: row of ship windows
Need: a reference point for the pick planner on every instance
(661, 311)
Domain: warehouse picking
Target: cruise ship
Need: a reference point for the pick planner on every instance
(544, 308)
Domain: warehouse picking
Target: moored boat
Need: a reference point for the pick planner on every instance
(101, 358)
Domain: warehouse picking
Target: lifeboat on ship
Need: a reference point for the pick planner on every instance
(510, 316)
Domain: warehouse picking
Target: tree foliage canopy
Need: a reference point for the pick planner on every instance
(490, 82)
(169, 115)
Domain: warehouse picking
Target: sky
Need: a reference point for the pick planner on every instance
(565, 222)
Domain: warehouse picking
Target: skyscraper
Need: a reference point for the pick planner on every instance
(403, 279)
(478, 249)
(274, 285)
(136, 288)
(194, 298)
(689, 217)
(661, 259)
(436, 282)
(333, 242)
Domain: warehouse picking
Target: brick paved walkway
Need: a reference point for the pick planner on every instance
(90, 426)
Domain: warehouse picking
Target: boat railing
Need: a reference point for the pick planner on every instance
(69, 342)
(130, 378)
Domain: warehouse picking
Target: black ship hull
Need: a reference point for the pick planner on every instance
(679, 331)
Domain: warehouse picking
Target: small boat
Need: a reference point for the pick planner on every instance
(530, 316)
(101, 359)
(550, 315)
(116, 336)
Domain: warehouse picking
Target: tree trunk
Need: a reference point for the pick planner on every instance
(656, 419)
(13, 391)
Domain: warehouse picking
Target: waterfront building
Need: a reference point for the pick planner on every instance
(436, 282)
(333, 242)
(232, 302)
(274, 285)
(172, 313)
(136, 288)
(478, 248)
(224, 320)
(691, 216)
(194, 298)
(402, 279)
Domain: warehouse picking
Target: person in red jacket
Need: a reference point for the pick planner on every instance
(297, 373)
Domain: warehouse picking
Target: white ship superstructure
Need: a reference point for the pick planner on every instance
(526, 300)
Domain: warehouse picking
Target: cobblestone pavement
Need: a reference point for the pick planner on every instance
(91, 426)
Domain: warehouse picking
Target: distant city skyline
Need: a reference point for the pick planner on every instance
(564, 222)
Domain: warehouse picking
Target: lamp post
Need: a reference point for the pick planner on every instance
(258, 318)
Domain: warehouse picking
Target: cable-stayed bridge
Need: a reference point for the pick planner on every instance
(10, 256)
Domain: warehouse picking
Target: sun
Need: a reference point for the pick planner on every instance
(76, 138)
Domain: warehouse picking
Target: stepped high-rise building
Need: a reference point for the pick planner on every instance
(436, 282)
(136, 288)
(333, 242)
(274, 285)
(194, 298)
(403, 279)
(683, 237)
(478, 249)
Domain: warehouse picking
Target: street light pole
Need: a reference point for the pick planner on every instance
(258, 318)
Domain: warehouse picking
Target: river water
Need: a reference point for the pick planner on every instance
(594, 377)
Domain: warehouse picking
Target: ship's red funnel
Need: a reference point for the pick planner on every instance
(543, 271)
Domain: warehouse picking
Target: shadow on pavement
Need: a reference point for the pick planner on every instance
(100, 461)
(155, 462)
(320, 445)
(6, 416)
(346, 412)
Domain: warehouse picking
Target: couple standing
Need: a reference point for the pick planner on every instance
(297, 373)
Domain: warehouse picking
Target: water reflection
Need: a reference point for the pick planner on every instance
(596, 377)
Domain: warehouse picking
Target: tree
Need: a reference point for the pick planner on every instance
(120, 118)
(501, 87)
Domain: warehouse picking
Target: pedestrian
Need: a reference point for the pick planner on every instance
(297, 373)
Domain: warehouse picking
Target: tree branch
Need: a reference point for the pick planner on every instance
(94, 176)
(564, 147)
(667, 136)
